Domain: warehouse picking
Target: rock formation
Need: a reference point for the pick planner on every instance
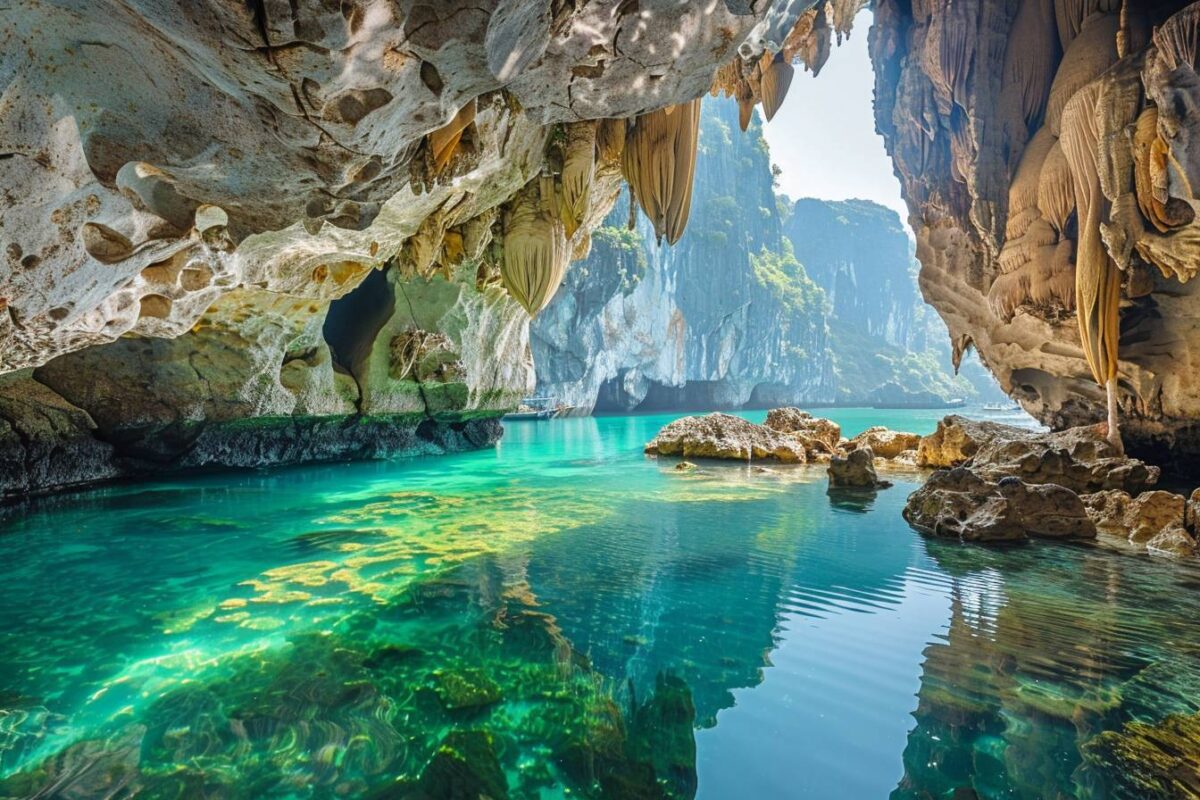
(958, 503)
(699, 325)
(1044, 152)
(288, 221)
(855, 470)
(725, 437)
(274, 200)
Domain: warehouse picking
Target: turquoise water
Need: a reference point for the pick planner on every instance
(565, 617)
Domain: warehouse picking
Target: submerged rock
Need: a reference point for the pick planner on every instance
(465, 767)
(958, 503)
(856, 469)
(1150, 761)
(465, 689)
(726, 437)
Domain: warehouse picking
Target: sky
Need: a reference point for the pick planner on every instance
(824, 137)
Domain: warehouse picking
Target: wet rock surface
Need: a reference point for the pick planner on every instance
(884, 443)
(958, 503)
(855, 470)
(817, 433)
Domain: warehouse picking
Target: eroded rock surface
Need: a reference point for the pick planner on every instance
(1080, 459)
(725, 436)
(855, 470)
(817, 433)
(884, 443)
(958, 503)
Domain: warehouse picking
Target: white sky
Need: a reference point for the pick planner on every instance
(824, 137)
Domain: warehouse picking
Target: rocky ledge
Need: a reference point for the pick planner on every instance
(1007, 484)
(47, 444)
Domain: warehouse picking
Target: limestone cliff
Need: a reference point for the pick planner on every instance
(694, 326)
(724, 318)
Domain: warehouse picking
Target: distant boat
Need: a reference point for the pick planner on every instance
(538, 408)
(1002, 407)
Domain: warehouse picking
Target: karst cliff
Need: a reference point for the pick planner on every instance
(237, 233)
(762, 302)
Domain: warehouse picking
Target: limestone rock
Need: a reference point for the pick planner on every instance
(956, 440)
(1107, 508)
(1173, 540)
(1080, 459)
(1150, 512)
(45, 442)
(725, 437)
(885, 443)
(817, 433)
(958, 503)
(855, 470)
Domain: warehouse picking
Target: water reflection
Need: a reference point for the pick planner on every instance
(566, 614)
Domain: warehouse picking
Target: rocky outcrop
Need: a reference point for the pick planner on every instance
(817, 433)
(1155, 522)
(1008, 483)
(959, 504)
(725, 437)
(855, 470)
(1080, 459)
(1044, 150)
(884, 443)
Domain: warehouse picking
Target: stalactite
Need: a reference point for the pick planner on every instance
(579, 169)
(659, 164)
(535, 249)
(1097, 280)
(1090, 52)
(1072, 14)
(610, 139)
(444, 141)
(1056, 192)
(777, 77)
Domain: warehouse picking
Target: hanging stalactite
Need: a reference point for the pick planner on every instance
(535, 248)
(579, 169)
(1097, 279)
(445, 140)
(660, 163)
(776, 79)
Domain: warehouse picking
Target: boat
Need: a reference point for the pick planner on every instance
(534, 408)
(1002, 407)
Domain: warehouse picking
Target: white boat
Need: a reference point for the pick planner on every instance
(534, 408)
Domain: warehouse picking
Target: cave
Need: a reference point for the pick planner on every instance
(355, 319)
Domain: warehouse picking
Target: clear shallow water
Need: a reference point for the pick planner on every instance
(565, 617)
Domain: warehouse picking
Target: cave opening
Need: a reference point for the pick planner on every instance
(354, 320)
